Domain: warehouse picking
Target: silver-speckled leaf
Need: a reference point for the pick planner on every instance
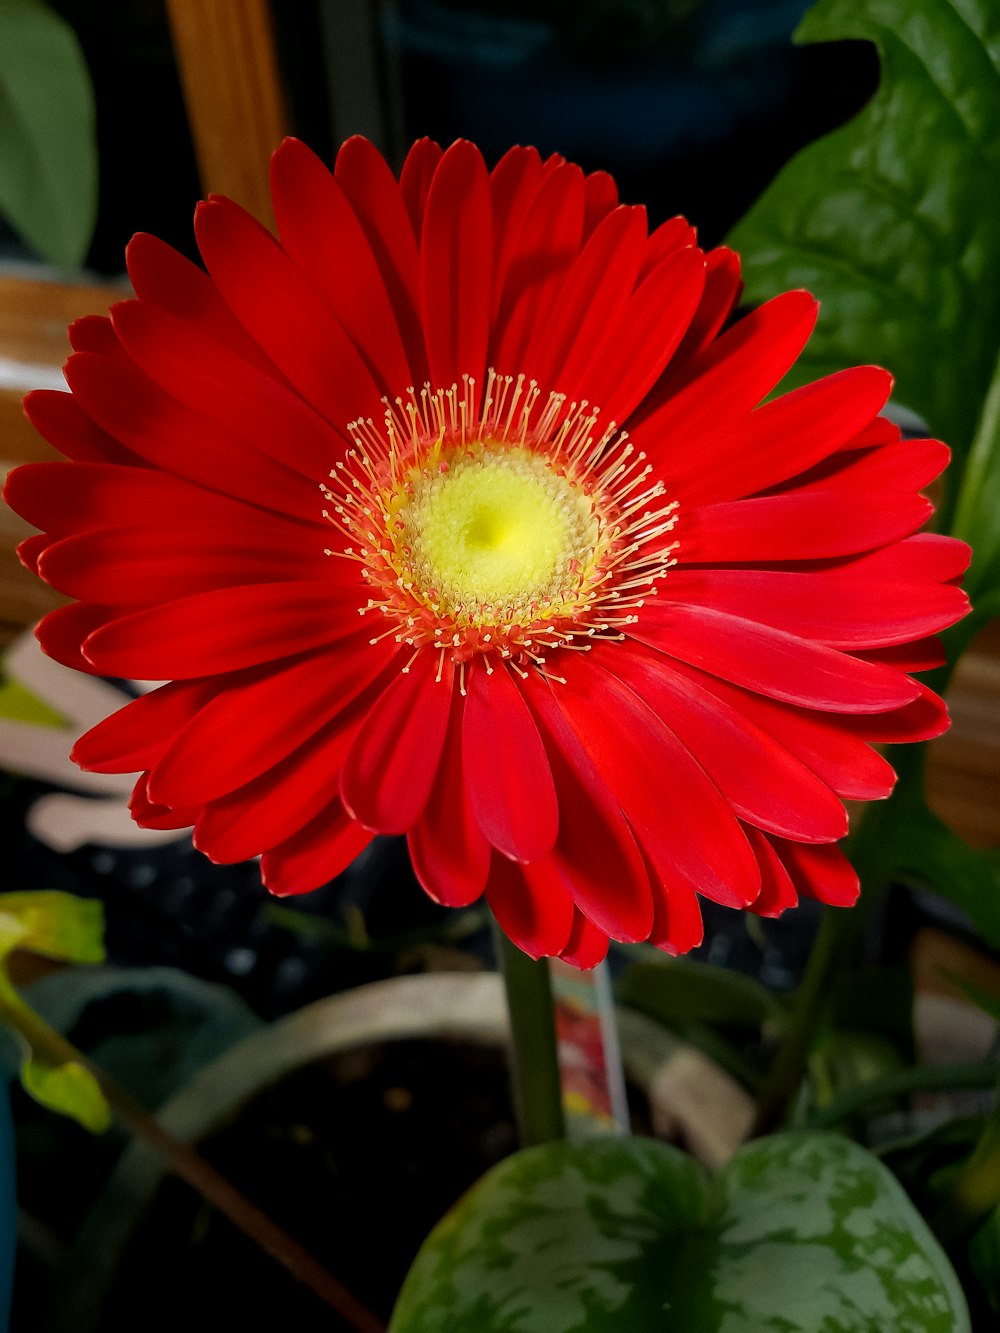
(799, 1233)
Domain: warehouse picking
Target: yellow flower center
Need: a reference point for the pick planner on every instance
(499, 531)
(506, 528)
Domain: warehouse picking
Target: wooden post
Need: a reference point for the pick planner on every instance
(232, 90)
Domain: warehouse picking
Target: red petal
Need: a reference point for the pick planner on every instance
(31, 549)
(722, 290)
(511, 792)
(801, 525)
(770, 661)
(322, 235)
(138, 735)
(532, 904)
(160, 562)
(777, 892)
(595, 845)
(762, 781)
(149, 815)
(921, 720)
(595, 292)
(677, 923)
(645, 336)
(60, 419)
(316, 854)
(415, 180)
(725, 454)
(835, 754)
(514, 182)
(170, 436)
(166, 280)
(375, 197)
(214, 632)
(391, 766)
(836, 608)
(254, 724)
(600, 199)
(450, 856)
(683, 822)
(456, 253)
(587, 946)
(62, 632)
(823, 873)
(673, 235)
(256, 817)
(273, 301)
(215, 383)
(65, 498)
(548, 242)
(732, 377)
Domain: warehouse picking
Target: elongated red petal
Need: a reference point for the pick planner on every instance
(390, 769)
(511, 791)
(650, 771)
(319, 852)
(595, 844)
(771, 661)
(321, 233)
(763, 782)
(212, 632)
(137, 736)
(283, 314)
(587, 944)
(456, 254)
(823, 873)
(257, 721)
(533, 905)
(450, 856)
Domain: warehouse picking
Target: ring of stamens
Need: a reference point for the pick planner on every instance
(505, 530)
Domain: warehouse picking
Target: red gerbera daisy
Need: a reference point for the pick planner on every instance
(454, 515)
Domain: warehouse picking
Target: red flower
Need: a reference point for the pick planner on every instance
(593, 629)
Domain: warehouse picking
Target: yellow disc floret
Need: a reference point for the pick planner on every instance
(498, 530)
(502, 528)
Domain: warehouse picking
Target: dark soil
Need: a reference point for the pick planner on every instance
(357, 1158)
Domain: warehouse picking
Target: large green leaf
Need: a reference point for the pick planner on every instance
(891, 220)
(48, 150)
(799, 1232)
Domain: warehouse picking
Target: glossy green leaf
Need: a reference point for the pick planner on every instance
(682, 990)
(48, 149)
(891, 220)
(798, 1233)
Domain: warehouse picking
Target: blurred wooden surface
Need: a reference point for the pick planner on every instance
(34, 314)
(229, 72)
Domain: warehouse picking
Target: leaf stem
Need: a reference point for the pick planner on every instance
(534, 1056)
(185, 1162)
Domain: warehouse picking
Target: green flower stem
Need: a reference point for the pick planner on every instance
(975, 1192)
(535, 1063)
(47, 1044)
